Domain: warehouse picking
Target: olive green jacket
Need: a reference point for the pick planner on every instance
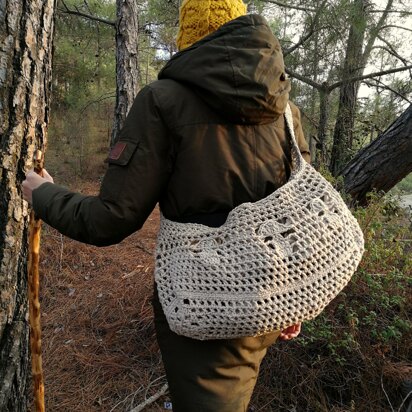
(205, 137)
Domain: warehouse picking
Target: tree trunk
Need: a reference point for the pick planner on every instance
(356, 58)
(353, 66)
(26, 31)
(322, 129)
(383, 163)
(127, 64)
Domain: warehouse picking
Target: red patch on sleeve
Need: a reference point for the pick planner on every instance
(117, 150)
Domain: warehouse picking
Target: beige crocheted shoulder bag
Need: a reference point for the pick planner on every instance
(273, 263)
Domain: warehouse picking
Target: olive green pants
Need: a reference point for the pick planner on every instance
(209, 376)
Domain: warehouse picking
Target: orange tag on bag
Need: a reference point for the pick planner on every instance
(117, 150)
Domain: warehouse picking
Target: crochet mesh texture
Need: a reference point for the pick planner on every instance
(273, 263)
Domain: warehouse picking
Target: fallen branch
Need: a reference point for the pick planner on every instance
(387, 397)
(403, 402)
(152, 399)
(143, 249)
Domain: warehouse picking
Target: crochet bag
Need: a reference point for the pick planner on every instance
(273, 263)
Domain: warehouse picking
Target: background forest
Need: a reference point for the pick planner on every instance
(350, 62)
(326, 44)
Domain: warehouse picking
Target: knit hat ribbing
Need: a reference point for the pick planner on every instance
(198, 18)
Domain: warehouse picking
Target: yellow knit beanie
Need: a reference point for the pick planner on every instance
(198, 18)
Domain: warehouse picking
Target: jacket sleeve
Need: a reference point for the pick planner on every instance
(138, 172)
(300, 137)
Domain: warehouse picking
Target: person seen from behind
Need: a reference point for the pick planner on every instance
(208, 135)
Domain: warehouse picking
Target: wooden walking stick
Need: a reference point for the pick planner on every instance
(34, 302)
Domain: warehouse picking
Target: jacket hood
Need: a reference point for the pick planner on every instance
(237, 70)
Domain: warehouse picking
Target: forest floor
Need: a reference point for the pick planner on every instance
(99, 346)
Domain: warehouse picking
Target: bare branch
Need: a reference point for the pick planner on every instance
(369, 76)
(375, 31)
(309, 33)
(395, 27)
(77, 12)
(87, 6)
(328, 88)
(301, 41)
(408, 13)
(391, 51)
(384, 86)
(290, 6)
(306, 80)
(105, 96)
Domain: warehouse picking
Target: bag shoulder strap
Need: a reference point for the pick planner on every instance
(297, 158)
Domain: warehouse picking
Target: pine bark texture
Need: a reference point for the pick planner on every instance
(26, 29)
(322, 128)
(383, 163)
(353, 66)
(127, 61)
(356, 58)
